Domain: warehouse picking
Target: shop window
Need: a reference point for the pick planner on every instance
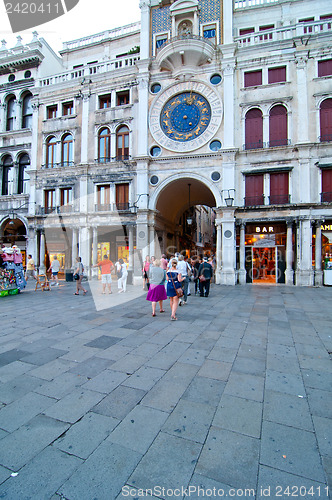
(105, 101)
(11, 113)
(325, 67)
(51, 111)
(326, 195)
(254, 190)
(122, 196)
(254, 129)
(253, 78)
(276, 75)
(122, 98)
(49, 200)
(279, 188)
(103, 197)
(68, 108)
(104, 145)
(67, 150)
(307, 29)
(122, 143)
(51, 152)
(66, 199)
(7, 164)
(325, 115)
(27, 111)
(266, 36)
(278, 126)
(23, 163)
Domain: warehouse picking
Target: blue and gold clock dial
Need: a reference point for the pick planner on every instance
(185, 116)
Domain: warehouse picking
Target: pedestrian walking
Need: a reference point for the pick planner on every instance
(157, 292)
(106, 266)
(174, 280)
(182, 268)
(55, 268)
(205, 273)
(163, 262)
(196, 265)
(145, 271)
(79, 272)
(122, 276)
(31, 269)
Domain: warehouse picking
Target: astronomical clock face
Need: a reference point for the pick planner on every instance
(185, 116)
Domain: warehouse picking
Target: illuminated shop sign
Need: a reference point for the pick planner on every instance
(326, 227)
(264, 229)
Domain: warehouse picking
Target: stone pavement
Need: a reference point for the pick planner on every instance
(233, 399)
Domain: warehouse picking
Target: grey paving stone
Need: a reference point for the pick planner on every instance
(139, 429)
(106, 381)
(22, 445)
(120, 402)
(83, 437)
(144, 378)
(44, 356)
(327, 464)
(245, 386)
(166, 393)
(320, 402)
(38, 345)
(194, 356)
(291, 450)
(169, 461)
(74, 405)
(103, 474)
(11, 355)
(103, 342)
(4, 474)
(273, 483)
(221, 460)
(13, 370)
(165, 358)
(204, 390)
(202, 486)
(21, 411)
(61, 385)
(190, 420)
(114, 353)
(253, 366)
(39, 473)
(239, 415)
(129, 492)
(323, 434)
(287, 409)
(287, 383)
(53, 369)
(249, 351)
(18, 387)
(91, 367)
(129, 363)
(218, 370)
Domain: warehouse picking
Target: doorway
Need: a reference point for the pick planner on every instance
(264, 265)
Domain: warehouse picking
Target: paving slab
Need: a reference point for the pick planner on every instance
(74, 405)
(245, 386)
(287, 409)
(119, 402)
(239, 415)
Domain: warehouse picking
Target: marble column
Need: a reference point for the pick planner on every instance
(74, 247)
(131, 247)
(94, 270)
(304, 273)
(152, 240)
(242, 270)
(289, 273)
(318, 255)
(42, 268)
(218, 251)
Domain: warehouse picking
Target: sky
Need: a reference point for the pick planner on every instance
(86, 18)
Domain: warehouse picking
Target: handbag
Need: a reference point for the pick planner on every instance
(76, 276)
(202, 277)
(178, 291)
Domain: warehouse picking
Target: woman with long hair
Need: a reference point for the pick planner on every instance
(79, 270)
(145, 271)
(174, 279)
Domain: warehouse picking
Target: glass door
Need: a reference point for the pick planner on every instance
(264, 265)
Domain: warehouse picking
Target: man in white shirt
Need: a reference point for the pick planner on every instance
(55, 268)
(182, 268)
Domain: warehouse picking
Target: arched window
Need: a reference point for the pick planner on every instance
(51, 152)
(325, 116)
(254, 129)
(278, 126)
(11, 113)
(7, 164)
(23, 178)
(67, 150)
(27, 111)
(104, 145)
(122, 143)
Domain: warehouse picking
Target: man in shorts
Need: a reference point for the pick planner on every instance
(55, 268)
(106, 267)
(30, 270)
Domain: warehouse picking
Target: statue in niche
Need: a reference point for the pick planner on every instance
(185, 29)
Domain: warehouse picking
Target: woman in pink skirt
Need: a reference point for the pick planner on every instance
(157, 292)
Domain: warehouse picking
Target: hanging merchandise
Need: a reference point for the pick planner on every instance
(12, 279)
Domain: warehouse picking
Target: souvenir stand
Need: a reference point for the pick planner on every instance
(12, 279)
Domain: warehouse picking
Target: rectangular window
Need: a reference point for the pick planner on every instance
(5, 181)
(325, 18)
(103, 197)
(276, 75)
(253, 78)
(307, 29)
(246, 31)
(326, 185)
(160, 42)
(122, 196)
(325, 67)
(51, 111)
(67, 108)
(122, 98)
(267, 36)
(210, 32)
(254, 190)
(105, 101)
(66, 196)
(49, 200)
(279, 188)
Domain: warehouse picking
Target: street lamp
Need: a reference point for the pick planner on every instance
(229, 200)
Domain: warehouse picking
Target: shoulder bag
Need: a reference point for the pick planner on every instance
(202, 277)
(178, 291)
